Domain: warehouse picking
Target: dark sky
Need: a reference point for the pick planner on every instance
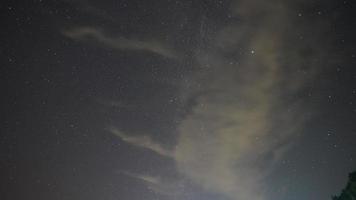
(177, 100)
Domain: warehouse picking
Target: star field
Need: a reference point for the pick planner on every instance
(177, 100)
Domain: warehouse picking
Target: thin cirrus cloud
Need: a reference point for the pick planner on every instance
(158, 184)
(141, 141)
(120, 43)
(244, 120)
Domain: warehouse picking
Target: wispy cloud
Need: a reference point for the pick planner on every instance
(120, 43)
(244, 119)
(145, 178)
(158, 184)
(143, 141)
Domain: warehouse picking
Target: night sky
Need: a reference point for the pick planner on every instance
(177, 100)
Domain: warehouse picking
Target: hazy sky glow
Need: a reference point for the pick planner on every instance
(179, 100)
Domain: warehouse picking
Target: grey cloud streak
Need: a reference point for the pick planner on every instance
(141, 141)
(158, 184)
(120, 43)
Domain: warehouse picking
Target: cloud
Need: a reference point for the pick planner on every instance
(120, 43)
(158, 184)
(146, 178)
(142, 141)
(244, 118)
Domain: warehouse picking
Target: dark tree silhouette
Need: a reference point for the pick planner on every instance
(349, 193)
